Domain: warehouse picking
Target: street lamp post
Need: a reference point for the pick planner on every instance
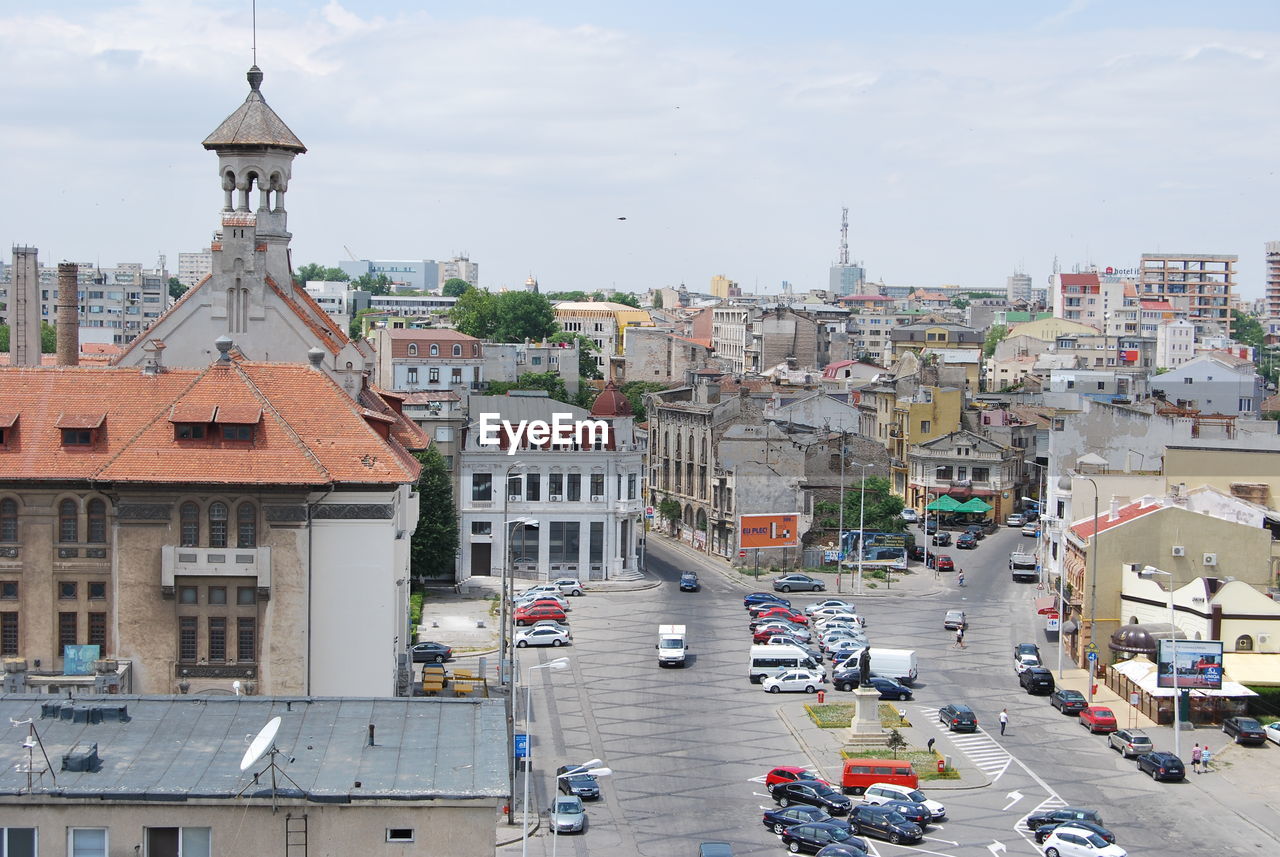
(924, 537)
(862, 517)
(1065, 484)
(586, 768)
(557, 664)
(1146, 574)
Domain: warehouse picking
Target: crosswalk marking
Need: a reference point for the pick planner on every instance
(979, 747)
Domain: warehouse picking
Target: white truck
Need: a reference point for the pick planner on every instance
(671, 646)
(1023, 566)
(901, 665)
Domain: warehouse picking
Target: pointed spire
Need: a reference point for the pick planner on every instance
(254, 124)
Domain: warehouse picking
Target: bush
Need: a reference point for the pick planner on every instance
(415, 608)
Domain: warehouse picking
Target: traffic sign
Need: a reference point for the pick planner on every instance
(1092, 648)
(648, 511)
(522, 745)
(1093, 656)
(742, 554)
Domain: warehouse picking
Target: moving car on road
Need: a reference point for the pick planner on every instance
(942, 539)
(966, 541)
(689, 582)
(958, 718)
(945, 563)
(911, 516)
(1017, 519)
(1068, 701)
(954, 620)
(798, 582)
(568, 815)
(1130, 742)
(1098, 718)
(1031, 530)
(1245, 730)
(1162, 766)
(582, 784)
(1272, 731)
(847, 680)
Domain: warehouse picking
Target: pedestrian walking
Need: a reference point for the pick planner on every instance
(1195, 758)
(1205, 755)
(959, 639)
(1004, 719)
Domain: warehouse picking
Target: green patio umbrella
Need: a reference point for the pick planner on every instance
(945, 503)
(974, 504)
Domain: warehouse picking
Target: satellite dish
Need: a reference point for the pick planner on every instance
(261, 744)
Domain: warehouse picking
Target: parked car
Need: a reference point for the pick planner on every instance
(978, 531)
(812, 837)
(1069, 841)
(958, 718)
(830, 607)
(1068, 701)
(811, 793)
(1022, 663)
(763, 632)
(1272, 731)
(1098, 718)
(879, 793)
(582, 784)
(1036, 680)
(1017, 519)
(798, 582)
(569, 586)
(885, 823)
(917, 813)
(942, 539)
(954, 620)
(431, 653)
(1042, 832)
(966, 541)
(847, 680)
(780, 818)
(1061, 816)
(842, 849)
(758, 597)
(689, 582)
(793, 681)
(1031, 515)
(791, 773)
(1130, 742)
(1026, 649)
(1245, 730)
(785, 614)
(543, 636)
(551, 623)
(911, 516)
(544, 598)
(715, 849)
(534, 612)
(1162, 766)
(568, 815)
(795, 643)
(945, 563)
(930, 526)
(1031, 530)
(841, 649)
(916, 552)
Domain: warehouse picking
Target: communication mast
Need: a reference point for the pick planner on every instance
(844, 238)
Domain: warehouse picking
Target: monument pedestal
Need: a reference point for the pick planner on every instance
(865, 729)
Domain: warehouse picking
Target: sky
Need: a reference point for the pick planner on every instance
(637, 145)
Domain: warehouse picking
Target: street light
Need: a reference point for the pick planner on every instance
(585, 768)
(1147, 574)
(557, 664)
(928, 495)
(862, 516)
(1064, 484)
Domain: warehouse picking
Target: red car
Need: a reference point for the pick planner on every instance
(538, 612)
(789, 773)
(1098, 718)
(945, 563)
(770, 629)
(784, 613)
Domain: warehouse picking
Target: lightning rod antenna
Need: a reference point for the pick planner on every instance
(253, 5)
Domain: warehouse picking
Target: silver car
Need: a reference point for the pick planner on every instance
(954, 620)
(1130, 742)
(568, 815)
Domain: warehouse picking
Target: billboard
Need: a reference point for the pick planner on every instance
(1199, 664)
(768, 531)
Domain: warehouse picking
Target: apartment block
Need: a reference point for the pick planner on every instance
(1204, 281)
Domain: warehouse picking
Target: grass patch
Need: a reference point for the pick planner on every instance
(891, 717)
(838, 715)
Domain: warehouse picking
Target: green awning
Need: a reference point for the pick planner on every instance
(974, 504)
(945, 503)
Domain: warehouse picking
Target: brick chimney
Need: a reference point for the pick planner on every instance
(68, 314)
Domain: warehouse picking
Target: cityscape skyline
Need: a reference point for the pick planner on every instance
(607, 147)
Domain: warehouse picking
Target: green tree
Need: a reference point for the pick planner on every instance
(635, 392)
(454, 287)
(995, 335)
(176, 289)
(315, 271)
(896, 742)
(435, 541)
(587, 352)
(566, 296)
(657, 300)
(475, 313)
(48, 338)
(374, 284)
(357, 323)
(883, 510)
(626, 299)
(549, 381)
(960, 303)
(523, 315)
(1246, 328)
(669, 510)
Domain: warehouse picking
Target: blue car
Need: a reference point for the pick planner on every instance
(689, 582)
(764, 597)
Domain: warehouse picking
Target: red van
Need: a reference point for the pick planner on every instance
(860, 773)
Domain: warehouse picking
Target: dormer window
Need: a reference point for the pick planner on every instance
(237, 432)
(236, 423)
(435, 350)
(189, 431)
(79, 430)
(457, 351)
(413, 349)
(8, 429)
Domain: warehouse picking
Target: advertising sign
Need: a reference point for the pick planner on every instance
(1051, 623)
(1199, 664)
(522, 745)
(78, 660)
(768, 531)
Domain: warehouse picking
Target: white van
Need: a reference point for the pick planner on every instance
(775, 660)
(898, 664)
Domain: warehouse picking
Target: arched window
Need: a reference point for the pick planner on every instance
(97, 515)
(246, 526)
(435, 350)
(1244, 643)
(68, 522)
(8, 520)
(413, 349)
(457, 351)
(189, 525)
(475, 349)
(217, 525)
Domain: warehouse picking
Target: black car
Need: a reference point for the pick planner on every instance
(916, 552)
(842, 849)
(911, 811)
(979, 531)
(847, 680)
(431, 653)
(1043, 831)
(581, 784)
(761, 597)
(930, 526)
(885, 823)
(689, 582)
(781, 818)
(1162, 766)
(958, 718)
(1026, 649)
(1245, 730)
(1068, 701)
(966, 541)
(1036, 680)
(942, 539)
(811, 793)
(1058, 816)
(812, 837)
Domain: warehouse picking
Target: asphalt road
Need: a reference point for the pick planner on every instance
(686, 744)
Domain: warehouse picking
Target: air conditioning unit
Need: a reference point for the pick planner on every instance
(556, 498)
(514, 498)
(597, 498)
(1179, 550)
(1211, 559)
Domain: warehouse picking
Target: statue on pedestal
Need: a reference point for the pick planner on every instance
(864, 668)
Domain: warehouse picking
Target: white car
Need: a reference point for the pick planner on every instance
(1272, 731)
(1026, 662)
(568, 586)
(878, 793)
(910, 515)
(807, 681)
(841, 619)
(549, 588)
(1067, 841)
(552, 623)
(542, 595)
(841, 649)
(812, 609)
(829, 610)
(541, 637)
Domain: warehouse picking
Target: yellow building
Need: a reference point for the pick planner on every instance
(928, 413)
(723, 287)
(1049, 329)
(917, 337)
(604, 323)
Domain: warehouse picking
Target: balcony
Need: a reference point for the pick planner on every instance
(214, 562)
(895, 431)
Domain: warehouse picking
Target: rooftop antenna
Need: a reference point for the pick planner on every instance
(30, 743)
(844, 238)
(264, 744)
